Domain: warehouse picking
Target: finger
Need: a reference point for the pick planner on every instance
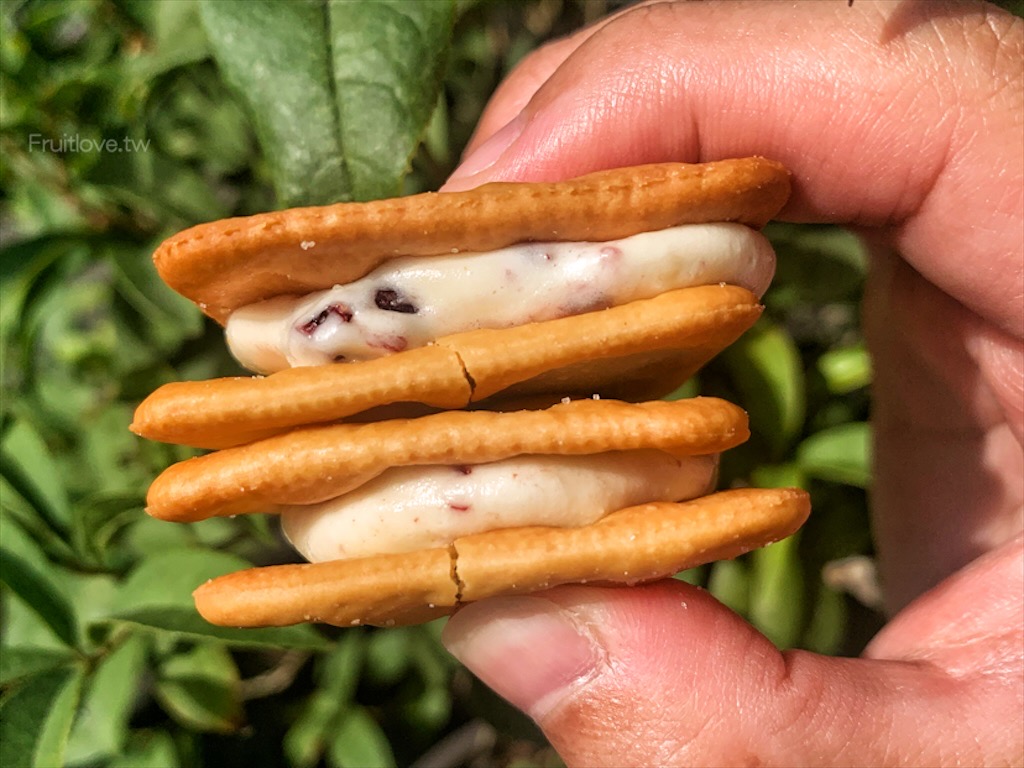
(515, 92)
(518, 88)
(665, 675)
(948, 430)
(887, 113)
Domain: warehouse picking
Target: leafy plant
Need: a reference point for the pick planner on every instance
(218, 109)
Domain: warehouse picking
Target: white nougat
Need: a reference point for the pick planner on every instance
(409, 302)
(411, 508)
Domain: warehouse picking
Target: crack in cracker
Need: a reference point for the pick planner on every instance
(465, 372)
(453, 553)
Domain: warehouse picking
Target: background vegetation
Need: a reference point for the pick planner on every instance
(103, 661)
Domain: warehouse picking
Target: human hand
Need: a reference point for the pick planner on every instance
(905, 122)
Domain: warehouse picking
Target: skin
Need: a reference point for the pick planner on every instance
(904, 121)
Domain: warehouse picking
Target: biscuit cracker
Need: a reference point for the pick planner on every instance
(224, 265)
(634, 545)
(635, 351)
(310, 465)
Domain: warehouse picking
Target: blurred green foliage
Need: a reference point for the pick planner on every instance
(104, 661)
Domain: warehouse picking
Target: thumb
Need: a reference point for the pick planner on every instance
(665, 675)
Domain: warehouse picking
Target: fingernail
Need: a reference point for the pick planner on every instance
(527, 649)
(484, 156)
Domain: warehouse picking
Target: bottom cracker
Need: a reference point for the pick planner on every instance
(637, 544)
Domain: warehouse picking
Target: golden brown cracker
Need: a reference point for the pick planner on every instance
(637, 544)
(225, 412)
(385, 590)
(314, 464)
(228, 264)
(638, 350)
(597, 350)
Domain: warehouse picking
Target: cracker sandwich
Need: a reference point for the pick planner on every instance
(457, 391)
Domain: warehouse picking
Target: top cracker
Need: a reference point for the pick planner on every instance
(224, 265)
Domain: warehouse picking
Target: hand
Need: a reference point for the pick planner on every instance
(904, 121)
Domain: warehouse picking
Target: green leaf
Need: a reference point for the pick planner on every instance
(816, 265)
(199, 688)
(387, 655)
(148, 749)
(305, 741)
(767, 370)
(186, 623)
(168, 318)
(97, 519)
(23, 661)
(430, 710)
(840, 454)
(179, 39)
(777, 592)
(341, 92)
(846, 369)
(35, 719)
(27, 465)
(40, 592)
(339, 670)
(33, 537)
(827, 626)
(359, 743)
(778, 476)
(693, 576)
(730, 584)
(101, 727)
(337, 677)
(168, 578)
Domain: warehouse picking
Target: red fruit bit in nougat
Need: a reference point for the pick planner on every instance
(309, 327)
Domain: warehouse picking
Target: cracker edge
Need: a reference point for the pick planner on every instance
(314, 464)
(455, 372)
(354, 238)
(392, 590)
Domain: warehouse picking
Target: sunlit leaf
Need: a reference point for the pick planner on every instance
(766, 368)
(148, 749)
(101, 727)
(787, 475)
(341, 92)
(827, 626)
(777, 592)
(168, 578)
(841, 454)
(845, 369)
(358, 742)
(730, 584)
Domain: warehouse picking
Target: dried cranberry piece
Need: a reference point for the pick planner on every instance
(387, 298)
(309, 327)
